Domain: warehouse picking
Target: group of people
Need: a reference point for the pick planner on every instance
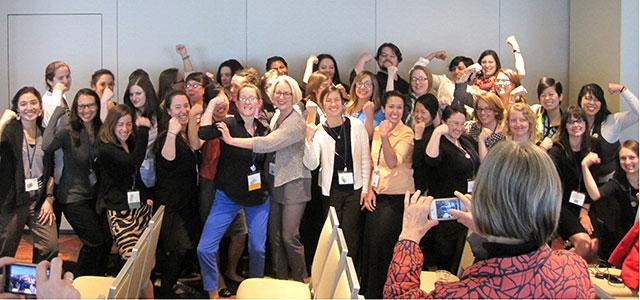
(236, 155)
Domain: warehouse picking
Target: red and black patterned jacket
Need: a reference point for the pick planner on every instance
(540, 274)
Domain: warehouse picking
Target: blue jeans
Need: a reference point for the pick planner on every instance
(222, 213)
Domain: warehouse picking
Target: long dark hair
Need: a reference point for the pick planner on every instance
(74, 120)
(232, 64)
(336, 73)
(573, 112)
(597, 92)
(151, 100)
(495, 57)
(107, 131)
(27, 90)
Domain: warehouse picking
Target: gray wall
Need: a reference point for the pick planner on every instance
(124, 35)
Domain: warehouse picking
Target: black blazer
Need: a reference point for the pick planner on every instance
(12, 191)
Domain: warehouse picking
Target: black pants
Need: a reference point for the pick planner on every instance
(347, 204)
(381, 230)
(442, 246)
(96, 242)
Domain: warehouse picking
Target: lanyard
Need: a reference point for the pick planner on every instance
(579, 171)
(285, 118)
(31, 157)
(471, 157)
(344, 140)
(90, 146)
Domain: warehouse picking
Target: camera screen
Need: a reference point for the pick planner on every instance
(21, 279)
(443, 207)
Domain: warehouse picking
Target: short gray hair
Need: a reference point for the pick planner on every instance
(518, 193)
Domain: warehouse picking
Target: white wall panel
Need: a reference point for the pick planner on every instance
(295, 29)
(149, 30)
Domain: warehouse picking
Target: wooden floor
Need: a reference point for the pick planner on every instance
(68, 244)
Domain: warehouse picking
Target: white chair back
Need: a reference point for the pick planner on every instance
(335, 264)
(348, 286)
(327, 236)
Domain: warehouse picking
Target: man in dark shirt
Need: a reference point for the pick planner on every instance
(387, 55)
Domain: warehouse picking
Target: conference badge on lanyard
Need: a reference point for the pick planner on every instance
(253, 179)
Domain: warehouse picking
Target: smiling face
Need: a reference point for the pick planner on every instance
(87, 108)
(387, 58)
(456, 125)
(61, 75)
(29, 107)
(518, 124)
(628, 160)
(104, 81)
(486, 114)
(488, 64)
(282, 97)
(326, 67)
(179, 108)
(419, 82)
(280, 67)
(137, 97)
(549, 99)
(576, 127)
(590, 104)
(123, 128)
(247, 102)
(503, 85)
(393, 109)
(332, 104)
(364, 88)
(421, 114)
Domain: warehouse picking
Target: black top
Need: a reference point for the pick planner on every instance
(12, 191)
(235, 163)
(176, 186)
(422, 173)
(117, 169)
(342, 158)
(618, 205)
(452, 168)
(570, 171)
(74, 183)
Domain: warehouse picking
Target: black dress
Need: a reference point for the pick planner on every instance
(453, 169)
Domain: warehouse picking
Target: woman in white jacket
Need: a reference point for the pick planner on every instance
(340, 145)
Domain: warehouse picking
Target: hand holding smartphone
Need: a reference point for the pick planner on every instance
(440, 208)
(20, 278)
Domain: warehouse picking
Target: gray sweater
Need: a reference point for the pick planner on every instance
(287, 141)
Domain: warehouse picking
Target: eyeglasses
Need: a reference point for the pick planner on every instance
(85, 106)
(178, 81)
(192, 85)
(247, 99)
(283, 94)
(416, 78)
(364, 84)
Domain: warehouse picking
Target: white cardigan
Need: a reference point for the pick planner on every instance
(321, 151)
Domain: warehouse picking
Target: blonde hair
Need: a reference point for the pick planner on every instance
(349, 109)
(517, 193)
(293, 84)
(528, 114)
(514, 78)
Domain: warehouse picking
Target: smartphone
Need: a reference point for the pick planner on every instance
(20, 278)
(440, 208)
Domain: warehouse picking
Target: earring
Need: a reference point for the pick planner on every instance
(18, 116)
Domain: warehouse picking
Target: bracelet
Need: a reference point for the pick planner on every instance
(516, 51)
(623, 88)
(169, 132)
(186, 57)
(585, 208)
(49, 195)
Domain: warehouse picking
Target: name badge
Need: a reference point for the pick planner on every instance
(30, 184)
(471, 185)
(133, 199)
(254, 182)
(345, 178)
(577, 198)
(375, 178)
(272, 169)
(92, 178)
